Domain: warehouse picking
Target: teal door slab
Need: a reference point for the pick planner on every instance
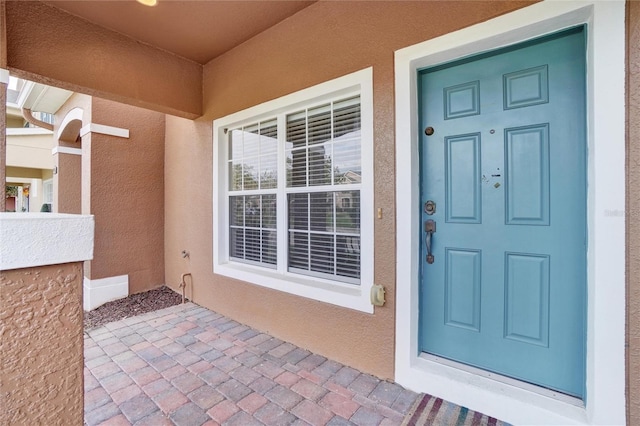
(503, 161)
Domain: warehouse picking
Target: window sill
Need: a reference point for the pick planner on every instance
(344, 295)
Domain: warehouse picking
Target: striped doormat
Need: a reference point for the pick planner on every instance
(429, 410)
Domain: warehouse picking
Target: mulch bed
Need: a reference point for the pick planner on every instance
(135, 304)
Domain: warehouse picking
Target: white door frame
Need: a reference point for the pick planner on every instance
(605, 375)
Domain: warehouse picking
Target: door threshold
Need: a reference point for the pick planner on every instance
(559, 396)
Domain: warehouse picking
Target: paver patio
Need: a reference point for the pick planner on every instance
(186, 365)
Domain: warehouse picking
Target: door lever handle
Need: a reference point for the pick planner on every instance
(429, 229)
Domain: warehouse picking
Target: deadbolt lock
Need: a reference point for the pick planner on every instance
(429, 207)
(429, 131)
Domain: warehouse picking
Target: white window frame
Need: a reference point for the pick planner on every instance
(605, 351)
(325, 290)
(46, 193)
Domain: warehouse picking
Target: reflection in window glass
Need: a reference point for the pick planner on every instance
(323, 165)
(252, 167)
(253, 228)
(324, 233)
(253, 153)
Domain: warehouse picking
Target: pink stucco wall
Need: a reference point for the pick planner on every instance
(126, 193)
(633, 213)
(41, 345)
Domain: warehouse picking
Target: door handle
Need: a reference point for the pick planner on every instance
(429, 230)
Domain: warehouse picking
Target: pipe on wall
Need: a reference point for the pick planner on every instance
(183, 283)
(26, 113)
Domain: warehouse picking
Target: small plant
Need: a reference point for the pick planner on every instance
(11, 191)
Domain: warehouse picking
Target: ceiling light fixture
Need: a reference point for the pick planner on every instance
(148, 2)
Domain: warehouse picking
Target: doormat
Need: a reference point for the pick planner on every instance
(428, 410)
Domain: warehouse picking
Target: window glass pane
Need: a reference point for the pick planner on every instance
(252, 244)
(346, 117)
(253, 151)
(235, 176)
(321, 211)
(268, 211)
(297, 173)
(324, 234)
(347, 162)
(348, 256)
(299, 250)
(346, 148)
(269, 171)
(319, 124)
(297, 129)
(249, 176)
(298, 211)
(252, 211)
(347, 211)
(269, 247)
(319, 166)
(236, 216)
(269, 137)
(251, 141)
(322, 253)
(235, 144)
(253, 233)
(269, 154)
(332, 133)
(236, 243)
(289, 166)
(47, 189)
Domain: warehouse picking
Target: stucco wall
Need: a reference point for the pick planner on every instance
(3, 124)
(67, 183)
(127, 195)
(21, 172)
(33, 151)
(13, 121)
(633, 213)
(324, 41)
(41, 346)
(47, 45)
(76, 100)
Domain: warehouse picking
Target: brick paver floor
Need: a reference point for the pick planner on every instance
(186, 365)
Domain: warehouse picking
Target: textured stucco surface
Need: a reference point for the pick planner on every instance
(41, 346)
(322, 42)
(71, 183)
(47, 45)
(3, 101)
(3, 139)
(44, 239)
(126, 194)
(67, 197)
(633, 213)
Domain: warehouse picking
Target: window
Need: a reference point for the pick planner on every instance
(253, 180)
(294, 191)
(46, 117)
(47, 191)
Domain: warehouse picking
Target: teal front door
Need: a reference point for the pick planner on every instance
(503, 187)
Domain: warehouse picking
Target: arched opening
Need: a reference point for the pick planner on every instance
(67, 178)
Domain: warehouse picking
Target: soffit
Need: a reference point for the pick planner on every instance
(40, 97)
(196, 30)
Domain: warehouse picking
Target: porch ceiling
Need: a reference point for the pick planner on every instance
(196, 30)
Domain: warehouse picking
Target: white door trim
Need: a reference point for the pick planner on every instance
(605, 375)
